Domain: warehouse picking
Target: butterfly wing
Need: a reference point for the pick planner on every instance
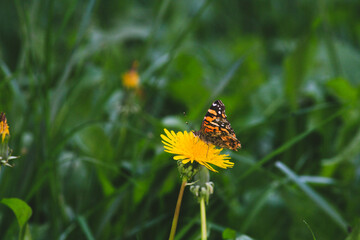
(216, 129)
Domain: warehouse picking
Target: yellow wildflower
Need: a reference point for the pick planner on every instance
(131, 78)
(189, 148)
(4, 128)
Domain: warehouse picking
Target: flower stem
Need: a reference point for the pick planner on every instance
(203, 218)
(177, 211)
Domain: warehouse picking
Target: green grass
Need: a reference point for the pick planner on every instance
(92, 164)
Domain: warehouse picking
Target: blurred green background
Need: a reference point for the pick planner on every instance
(92, 164)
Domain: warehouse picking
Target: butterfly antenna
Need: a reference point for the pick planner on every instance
(187, 123)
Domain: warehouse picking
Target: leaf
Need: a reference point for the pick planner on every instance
(85, 228)
(27, 234)
(106, 184)
(343, 90)
(355, 234)
(229, 234)
(20, 208)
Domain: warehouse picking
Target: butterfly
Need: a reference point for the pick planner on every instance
(216, 129)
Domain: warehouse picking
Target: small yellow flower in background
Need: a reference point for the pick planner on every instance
(131, 78)
(5, 151)
(4, 128)
(189, 148)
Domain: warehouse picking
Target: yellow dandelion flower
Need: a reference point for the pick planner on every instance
(189, 148)
(4, 128)
(131, 78)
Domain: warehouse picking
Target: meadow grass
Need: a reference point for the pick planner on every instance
(92, 164)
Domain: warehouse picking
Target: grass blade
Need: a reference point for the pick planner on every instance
(312, 233)
(85, 228)
(320, 201)
(288, 144)
(226, 79)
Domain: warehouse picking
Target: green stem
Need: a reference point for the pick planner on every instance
(203, 218)
(177, 211)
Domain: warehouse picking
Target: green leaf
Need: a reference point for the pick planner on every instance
(343, 90)
(229, 234)
(106, 184)
(27, 234)
(20, 208)
(355, 234)
(85, 228)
